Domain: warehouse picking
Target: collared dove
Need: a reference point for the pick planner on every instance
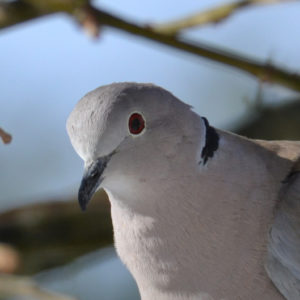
(198, 213)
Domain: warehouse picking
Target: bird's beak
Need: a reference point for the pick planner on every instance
(91, 180)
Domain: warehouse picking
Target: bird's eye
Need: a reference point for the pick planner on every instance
(136, 123)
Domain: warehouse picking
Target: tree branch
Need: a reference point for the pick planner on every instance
(51, 234)
(264, 72)
(87, 14)
(6, 137)
(214, 15)
(16, 12)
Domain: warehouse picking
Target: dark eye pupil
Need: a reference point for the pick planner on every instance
(135, 124)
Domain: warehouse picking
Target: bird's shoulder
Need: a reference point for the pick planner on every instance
(286, 149)
(283, 262)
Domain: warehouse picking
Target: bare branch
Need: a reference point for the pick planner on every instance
(214, 15)
(6, 137)
(264, 72)
(97, 18)
(34, 231)
(89, 22)
(15, 12)
(23, 286)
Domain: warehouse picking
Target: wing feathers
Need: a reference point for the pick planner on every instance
(283, 263)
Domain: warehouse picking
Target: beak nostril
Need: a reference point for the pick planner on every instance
(94, 173)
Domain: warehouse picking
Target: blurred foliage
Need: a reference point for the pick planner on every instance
(52, 234)
(280, 122)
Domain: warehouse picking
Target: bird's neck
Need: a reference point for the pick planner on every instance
(193, 234)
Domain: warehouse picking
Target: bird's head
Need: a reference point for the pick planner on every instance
(128, 131)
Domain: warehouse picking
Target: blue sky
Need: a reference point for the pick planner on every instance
(48, 64)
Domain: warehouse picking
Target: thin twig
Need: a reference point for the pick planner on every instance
(214, 15)
(6, 137)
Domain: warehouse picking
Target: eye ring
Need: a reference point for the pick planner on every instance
(136, 123)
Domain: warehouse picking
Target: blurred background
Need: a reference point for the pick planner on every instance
(48, 64)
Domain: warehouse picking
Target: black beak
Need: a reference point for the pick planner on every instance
(91, 180)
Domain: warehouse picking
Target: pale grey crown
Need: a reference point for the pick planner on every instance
(99, 121)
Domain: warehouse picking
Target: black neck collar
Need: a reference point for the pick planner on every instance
(211, 142)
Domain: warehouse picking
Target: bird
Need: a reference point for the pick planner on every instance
(198, 213)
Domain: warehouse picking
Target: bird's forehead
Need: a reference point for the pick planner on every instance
(109, 106)
(95, 107)
(87, 121)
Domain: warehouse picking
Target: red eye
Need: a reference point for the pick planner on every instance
(136, 123)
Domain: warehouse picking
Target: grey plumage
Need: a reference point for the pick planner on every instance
(198, 213)
(283, 263)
